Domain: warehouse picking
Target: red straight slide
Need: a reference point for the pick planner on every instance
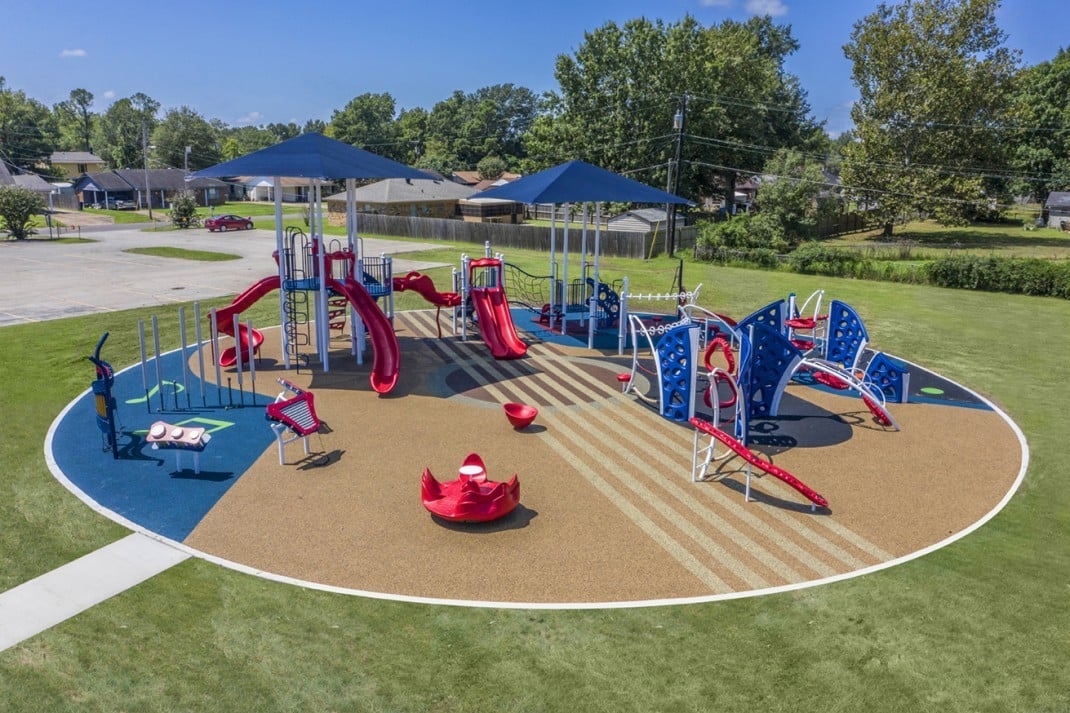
(496, 323)
(746, 454)
(249, 342)
(387, 355)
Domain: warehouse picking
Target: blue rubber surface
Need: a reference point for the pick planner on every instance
(143, 485)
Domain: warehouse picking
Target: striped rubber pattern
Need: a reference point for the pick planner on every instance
(642, 463)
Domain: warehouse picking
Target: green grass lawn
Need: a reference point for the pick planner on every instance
(928, 240)
(183, 254)
(250, 209)
(981, 625)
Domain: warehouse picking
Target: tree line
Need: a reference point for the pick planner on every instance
(948, 123)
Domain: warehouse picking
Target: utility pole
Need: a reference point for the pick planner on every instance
(185, 160)
(145, 151)
(678, 122)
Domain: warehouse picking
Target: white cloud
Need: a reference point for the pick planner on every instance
(64, 54)
(252, 117)
(767, 7)
(110, 94)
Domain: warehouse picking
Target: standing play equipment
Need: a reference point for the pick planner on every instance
(627, 298)
(703, 456)
(566, 184)
(166, 436)
(320, 160)
(485, 286)
(673, 351)
(105, 401)
(302, 262)
(805, 323)
(294, 410)
(424, 286)
(472, 497)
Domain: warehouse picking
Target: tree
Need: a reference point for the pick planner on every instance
(184, 210)
(934, 82)
(184, 127)
(493, 120)
(790, 194)
(367, 122)
(27, 129)
(1040, 150)
(620, 91)
(412, 133)
(491, 168)
(119, 137)
(75, 120)
(17, 207)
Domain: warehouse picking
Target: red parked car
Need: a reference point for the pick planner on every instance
(223, 223)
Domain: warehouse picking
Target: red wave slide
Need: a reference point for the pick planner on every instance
(746, 454)
(387, 355)
(496, 323)
(248, 341)
(424, 286)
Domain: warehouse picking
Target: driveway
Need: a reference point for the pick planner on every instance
(42, 280)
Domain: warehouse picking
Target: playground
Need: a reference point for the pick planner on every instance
(609, 512)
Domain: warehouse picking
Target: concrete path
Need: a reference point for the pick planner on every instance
(41, 603)
(42, 280)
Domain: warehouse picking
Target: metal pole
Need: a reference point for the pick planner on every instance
(185, 357)
(159, 369)
(215, 357)
(564, 275)
(678, 123)
(145, 151)
(144, 365)
(252, 363)
(200, 352)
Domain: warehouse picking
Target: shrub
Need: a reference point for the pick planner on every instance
(816, 259)
(1024, 276)
(184, 210)
(18, 205)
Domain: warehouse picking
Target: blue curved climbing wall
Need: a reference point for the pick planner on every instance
(677, 354)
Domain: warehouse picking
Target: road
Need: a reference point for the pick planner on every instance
(42, 280)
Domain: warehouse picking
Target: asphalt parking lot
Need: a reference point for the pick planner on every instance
(42, 280)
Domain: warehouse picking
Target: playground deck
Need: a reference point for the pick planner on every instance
(608, 512)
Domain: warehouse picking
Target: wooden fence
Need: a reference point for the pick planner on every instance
(502, 236)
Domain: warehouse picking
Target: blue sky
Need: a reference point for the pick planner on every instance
(272, 61)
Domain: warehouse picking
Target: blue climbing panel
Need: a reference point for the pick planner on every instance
(772, 360)
(770, 316)
(847, 335)
(608, 304)
(677, 354)
(890, 376)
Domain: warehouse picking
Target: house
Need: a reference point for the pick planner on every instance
(74, 163)
(140, 186)
(1057, 210)
(402, 196)
(644, 220)
(262, 188)
(30, 181)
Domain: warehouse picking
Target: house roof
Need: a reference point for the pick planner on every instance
(401, 190)
(75, 157)
(33, 182)
(268, 182)
(471, 178)
(165, 179)
(102, 181)
(1058, 199)
(647, 215)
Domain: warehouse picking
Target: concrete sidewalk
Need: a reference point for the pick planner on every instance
(41, 603)
(42, 280)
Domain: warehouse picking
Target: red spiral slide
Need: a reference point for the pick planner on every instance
(746, 454)
(248, 341)
(387, 355)
(496, 323)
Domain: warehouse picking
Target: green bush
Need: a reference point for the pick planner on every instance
(17, 208)
(816, 259)
(184, 210)
(1025, 276)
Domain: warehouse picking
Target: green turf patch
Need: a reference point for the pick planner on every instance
(182, 254)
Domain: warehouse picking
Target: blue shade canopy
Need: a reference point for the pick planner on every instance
(578, 182)
(312, 156)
